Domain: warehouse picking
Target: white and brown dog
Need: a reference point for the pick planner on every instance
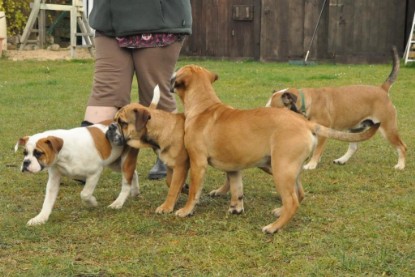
(80, 153)
(345, 108)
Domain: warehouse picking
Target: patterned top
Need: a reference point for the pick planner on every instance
(149, 40)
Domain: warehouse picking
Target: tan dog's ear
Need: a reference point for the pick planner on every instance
(54, 143)
(213, 77)
(180, 80)
(141, 118)
(288, 99)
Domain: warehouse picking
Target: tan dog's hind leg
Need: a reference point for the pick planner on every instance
(223, 190)
(390, 132)
(237, 195)
(287, 161)
(285, 184)
(350, 151)
(318, 151)
(175, 182)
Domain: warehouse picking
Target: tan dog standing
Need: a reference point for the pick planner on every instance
(275, 140)
(344, 108)
(143, 127)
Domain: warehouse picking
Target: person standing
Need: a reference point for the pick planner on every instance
(141, 38)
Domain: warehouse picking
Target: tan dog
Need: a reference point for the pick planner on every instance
(143, 127)
(344, 108)
(275, 140)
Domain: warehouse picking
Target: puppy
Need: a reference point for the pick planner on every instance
(80, 153)
(344, 108)
(275, 140)
(146, 127)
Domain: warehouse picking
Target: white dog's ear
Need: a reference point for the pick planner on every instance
(54, 143)
(21, 142)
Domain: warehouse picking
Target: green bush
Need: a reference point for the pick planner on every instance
(17, 13)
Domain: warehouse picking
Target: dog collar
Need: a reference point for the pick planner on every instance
(303, 110)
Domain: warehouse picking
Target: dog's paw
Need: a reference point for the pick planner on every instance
(90, 202)
(184, 212)
(38, 220)
(400, 166)
(339, 161)
(277, 212)
(164, 209)
(235, 210)
(216, 193)
(134, 192)
(269, 229)
(116, 205)
(310, 166)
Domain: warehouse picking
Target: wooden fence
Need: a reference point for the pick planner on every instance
(350, 31)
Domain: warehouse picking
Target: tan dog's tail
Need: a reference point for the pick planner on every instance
(394, 73)
(344, 136)
(156, 97)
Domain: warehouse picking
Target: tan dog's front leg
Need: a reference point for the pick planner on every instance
(223, 190)
(129, 186)
(197, 173)
(315, 159)
(237, 195)
(175, 181)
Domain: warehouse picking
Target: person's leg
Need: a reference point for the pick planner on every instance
(155, 66)
(112, 80)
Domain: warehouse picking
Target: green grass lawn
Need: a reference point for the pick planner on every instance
(357, 219)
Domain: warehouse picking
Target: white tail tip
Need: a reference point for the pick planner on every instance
(156, 96)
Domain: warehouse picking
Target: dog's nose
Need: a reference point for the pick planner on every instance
(26, 164)
(112, 127)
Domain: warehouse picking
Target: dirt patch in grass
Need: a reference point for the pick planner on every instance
(43, 54)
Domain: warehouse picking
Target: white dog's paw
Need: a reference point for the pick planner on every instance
(134, 192)
(116, 205)
(38, 220)
(91, 202)
(310, 166)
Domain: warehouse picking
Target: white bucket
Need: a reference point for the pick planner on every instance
(3, 29)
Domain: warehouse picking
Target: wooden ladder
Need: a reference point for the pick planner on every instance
(409, 54)
(77, 18)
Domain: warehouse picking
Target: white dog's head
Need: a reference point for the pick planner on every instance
(39, 152)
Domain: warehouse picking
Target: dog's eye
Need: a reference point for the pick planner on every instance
(25, 152)
(37, 154)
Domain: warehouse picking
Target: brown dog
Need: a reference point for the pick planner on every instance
(275, 140)
(140, 127)
(345, 108)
